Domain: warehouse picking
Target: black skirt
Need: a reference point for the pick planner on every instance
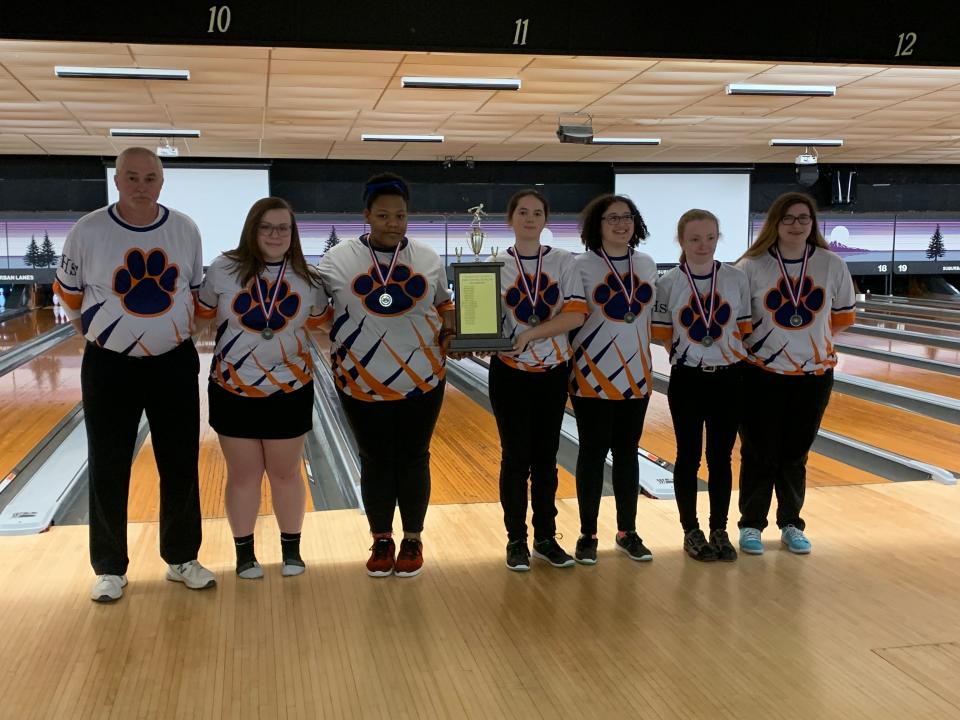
(280, 416)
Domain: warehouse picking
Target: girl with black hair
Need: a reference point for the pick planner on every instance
(610, 381)
(393, 318)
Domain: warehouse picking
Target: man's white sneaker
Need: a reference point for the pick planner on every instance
(108, 588)
(192, 574)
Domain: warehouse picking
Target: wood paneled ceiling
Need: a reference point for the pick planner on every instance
(257, 102)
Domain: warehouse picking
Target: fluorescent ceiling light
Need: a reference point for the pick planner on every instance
(752, 89)
(805, 142)
(625, 141)
(154, 132)
(401, 138)
(461, 83)
(126, 73)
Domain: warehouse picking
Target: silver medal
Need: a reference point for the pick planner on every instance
(796, 320)
(385, 300)
(533, 320)
(266, 334)
(707, 341)
(629, 317)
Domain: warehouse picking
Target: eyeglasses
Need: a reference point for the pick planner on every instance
(617, 219)
(279, 230)
(791, 219)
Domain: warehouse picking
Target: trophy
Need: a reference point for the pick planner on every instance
(476, 287)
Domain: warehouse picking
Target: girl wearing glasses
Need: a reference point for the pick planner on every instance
(610, 378)
(542, 302)
(702, 316)
(393, 318)
(262, 294)
(802, 296)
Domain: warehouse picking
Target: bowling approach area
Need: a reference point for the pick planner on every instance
(865, 627)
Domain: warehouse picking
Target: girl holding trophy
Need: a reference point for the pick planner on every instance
(542, 302)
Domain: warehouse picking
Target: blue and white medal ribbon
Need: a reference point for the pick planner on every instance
(707, 316)
(385, 299)
(628, 316)
(533, 296)
(267, 332)
(795, 320)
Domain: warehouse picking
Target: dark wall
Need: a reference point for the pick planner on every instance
(337, 186)
(41, 183)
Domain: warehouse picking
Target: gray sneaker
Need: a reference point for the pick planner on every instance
(108, 588)
(192, 574)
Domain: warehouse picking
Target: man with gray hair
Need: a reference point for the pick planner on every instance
(127, 280)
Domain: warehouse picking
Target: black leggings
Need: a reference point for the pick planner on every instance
(393, 437)
(612, 426)
(714, 400)
(775, 441)
(529, 410)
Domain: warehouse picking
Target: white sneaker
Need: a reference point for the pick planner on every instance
(192, 574)
(108, 588)
(252, 571)
(292, 568)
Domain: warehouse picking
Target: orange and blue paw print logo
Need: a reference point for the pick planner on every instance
(247, 305)
(613, 300)
(405, 288)
(696, 326)
(778, 302)
(518, 301)
(146, 283)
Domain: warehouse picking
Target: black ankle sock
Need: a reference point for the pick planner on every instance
(244, 548)
(290, 547)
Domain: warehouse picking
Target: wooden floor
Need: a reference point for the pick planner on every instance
(144, 505)
(25, 327)
(35, 397)
(867, 627)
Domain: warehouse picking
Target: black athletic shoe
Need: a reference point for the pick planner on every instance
(518, 556)
(550, 550)
(586, 553)
(696, 546)
(722, 546)
(633, 546)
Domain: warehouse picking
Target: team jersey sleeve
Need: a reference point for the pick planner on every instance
(321, 310)
(69, 282)
(209, 292)
(843, 310)
(571, 286)
(662, 322)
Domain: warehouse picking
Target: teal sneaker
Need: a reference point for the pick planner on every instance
(750, 541)
(795, 540)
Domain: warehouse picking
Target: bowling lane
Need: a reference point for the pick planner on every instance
(35, 397)
(658, 438)
(896, 323)
(909, 377)
(901, 346)
(144, 505)
(26, 327)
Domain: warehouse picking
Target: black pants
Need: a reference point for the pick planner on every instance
(612, 426)
(117, 389)
(529, 410)
(393, 437)
(775, 439)
(698, 400)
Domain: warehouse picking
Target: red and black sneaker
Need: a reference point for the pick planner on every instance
(410, 558)
(381, 560)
